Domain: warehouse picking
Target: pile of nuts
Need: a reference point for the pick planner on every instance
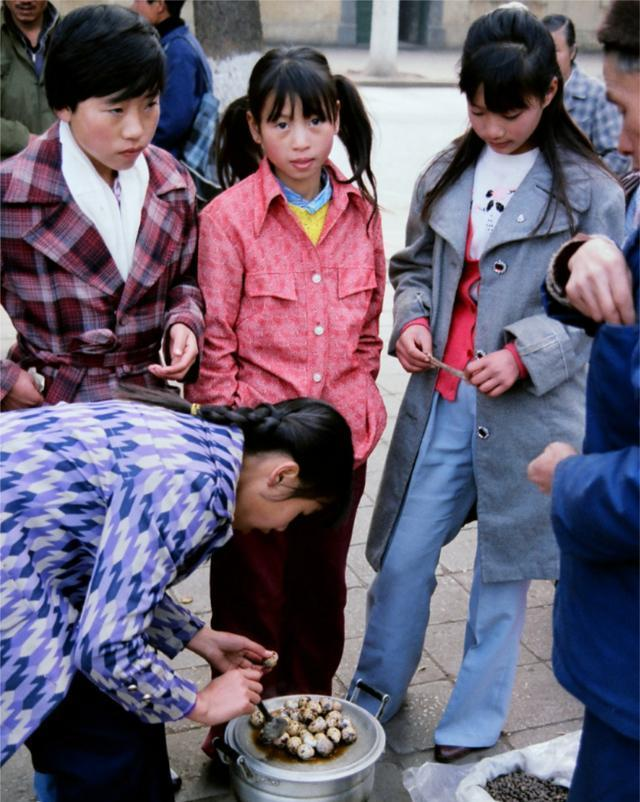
(521, 787)
(314, 727)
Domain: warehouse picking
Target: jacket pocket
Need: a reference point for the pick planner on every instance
(355, 280)
(274, 285)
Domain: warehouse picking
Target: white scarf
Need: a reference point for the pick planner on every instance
(117, 223)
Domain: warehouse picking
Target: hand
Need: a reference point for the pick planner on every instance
(413, 347)
(232, 694)
(183, 351)
(600, 283)
(225, 651)
(23, 395)
(540, 470)
(494, 373)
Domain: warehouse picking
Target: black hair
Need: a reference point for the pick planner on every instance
(619, 33)
(288, 74)
(560, 22)
(511, 55)
(174, 7)
(311, 432)
(100, 51)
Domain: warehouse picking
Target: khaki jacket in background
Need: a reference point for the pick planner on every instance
(23, 103)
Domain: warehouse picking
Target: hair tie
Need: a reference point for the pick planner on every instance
(195, 409)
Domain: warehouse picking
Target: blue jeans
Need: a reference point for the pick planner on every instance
(441, 492)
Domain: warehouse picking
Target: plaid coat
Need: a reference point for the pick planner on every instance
(78, 322)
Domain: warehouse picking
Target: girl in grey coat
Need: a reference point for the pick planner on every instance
(486, 218)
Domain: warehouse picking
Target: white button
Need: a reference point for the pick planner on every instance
(317, 377)
(318, 330)
(520, 218)
(316, 278)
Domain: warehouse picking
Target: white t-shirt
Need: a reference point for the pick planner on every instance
(497, 177)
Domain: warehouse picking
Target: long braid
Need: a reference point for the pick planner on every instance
(263, 419)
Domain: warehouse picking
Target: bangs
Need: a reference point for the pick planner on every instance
(139, 71)
(505, 74)
(297, 82)
(148, 80)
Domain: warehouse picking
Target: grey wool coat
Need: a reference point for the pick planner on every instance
(515, 539)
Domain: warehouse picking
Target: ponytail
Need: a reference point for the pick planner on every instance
(311, 432)
(356, 134)
(237, 155)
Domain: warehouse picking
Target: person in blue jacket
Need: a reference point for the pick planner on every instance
(188, 73)
(596, 494)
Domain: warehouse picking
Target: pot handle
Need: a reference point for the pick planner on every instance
(361, 685)
(228, 755)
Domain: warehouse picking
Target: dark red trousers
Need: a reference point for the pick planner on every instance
(287, 590)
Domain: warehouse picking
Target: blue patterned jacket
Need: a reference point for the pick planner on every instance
(103, 507)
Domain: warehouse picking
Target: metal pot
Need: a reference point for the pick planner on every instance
(260, 775)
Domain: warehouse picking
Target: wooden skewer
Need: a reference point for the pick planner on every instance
(443, 366)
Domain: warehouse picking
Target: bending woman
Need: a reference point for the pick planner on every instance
(104, 507)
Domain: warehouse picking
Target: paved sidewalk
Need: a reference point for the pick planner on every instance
(420, 67)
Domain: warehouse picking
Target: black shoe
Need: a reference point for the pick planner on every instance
(176, 780)
(447, 754)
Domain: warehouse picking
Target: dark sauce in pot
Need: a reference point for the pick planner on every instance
(274, 754)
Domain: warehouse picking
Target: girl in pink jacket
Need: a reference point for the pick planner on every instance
(292, 269)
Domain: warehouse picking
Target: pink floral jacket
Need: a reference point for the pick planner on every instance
(286, 318)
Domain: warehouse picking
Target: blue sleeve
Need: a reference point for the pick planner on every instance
(595, 504)
(179, 101)
(567, 314)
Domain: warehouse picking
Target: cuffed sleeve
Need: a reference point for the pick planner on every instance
(550, 351)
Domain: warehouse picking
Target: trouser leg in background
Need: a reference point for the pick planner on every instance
(607, 769)
(93, 750)
(480, 699)
(287, 590)
(440, 494)
(44, 786)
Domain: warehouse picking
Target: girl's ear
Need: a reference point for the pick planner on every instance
(336, 124)
(283, 472)
(551, 92)
(63, 114)
(254, 128)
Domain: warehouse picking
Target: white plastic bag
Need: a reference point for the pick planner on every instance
(553, 760)
(434, 782)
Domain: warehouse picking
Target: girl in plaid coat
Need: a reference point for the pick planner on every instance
(98, 226)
